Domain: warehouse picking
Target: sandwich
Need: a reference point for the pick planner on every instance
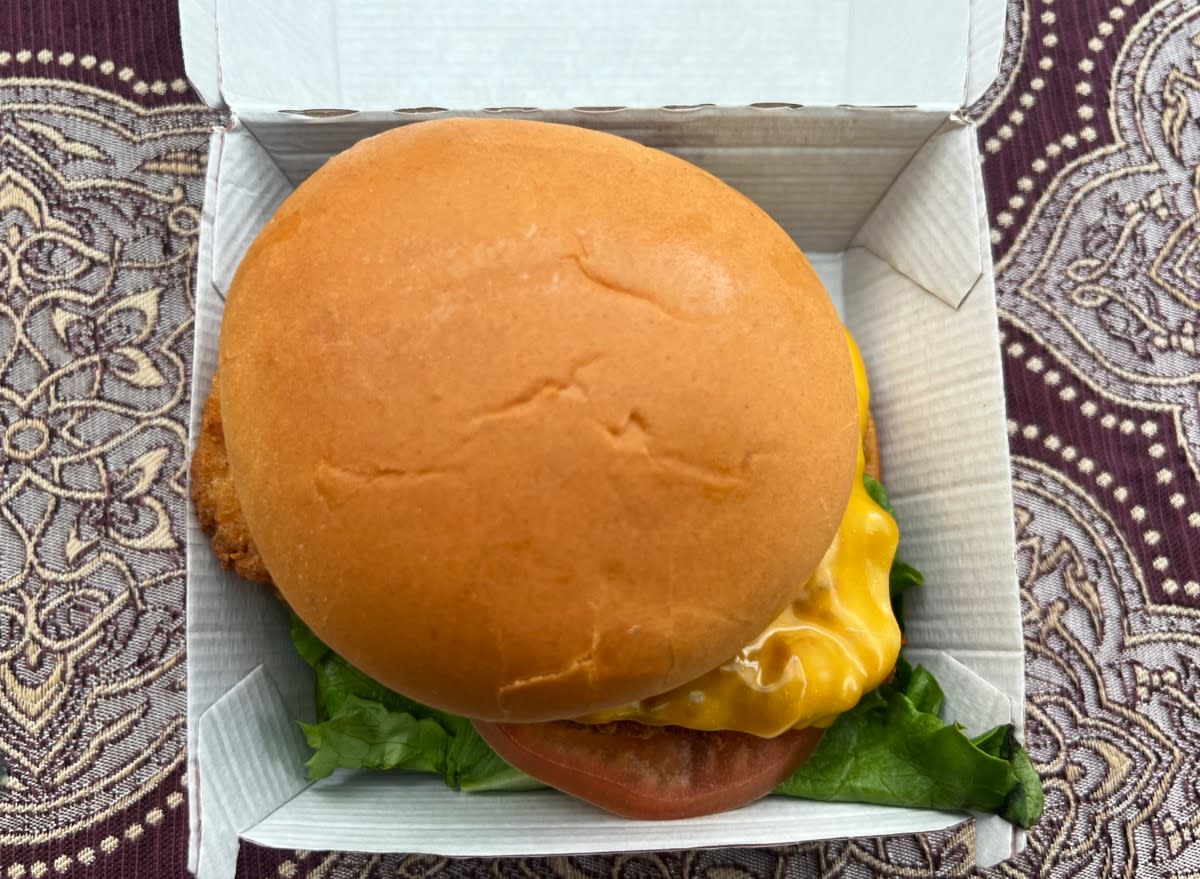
(559, 453)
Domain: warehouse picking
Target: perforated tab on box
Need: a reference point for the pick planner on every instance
(927, 225)
(240, 788)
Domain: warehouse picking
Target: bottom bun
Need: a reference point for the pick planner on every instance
(651, 772)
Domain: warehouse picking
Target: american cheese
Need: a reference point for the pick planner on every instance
(836, 640)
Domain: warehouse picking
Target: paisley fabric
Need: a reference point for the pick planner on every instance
(1091, 155)
(1091, 148)
(99, 217)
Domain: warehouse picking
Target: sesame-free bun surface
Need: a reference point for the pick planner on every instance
(528, 420)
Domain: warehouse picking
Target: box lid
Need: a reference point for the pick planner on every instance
(468, 55)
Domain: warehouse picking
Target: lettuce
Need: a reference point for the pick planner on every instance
(361, 724)
(878, 493)
(893, 748)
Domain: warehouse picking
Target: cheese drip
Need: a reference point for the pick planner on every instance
(837, 640)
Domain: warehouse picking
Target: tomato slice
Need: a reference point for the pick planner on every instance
(651, 772)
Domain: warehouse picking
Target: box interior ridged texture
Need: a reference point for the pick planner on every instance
(843, 120)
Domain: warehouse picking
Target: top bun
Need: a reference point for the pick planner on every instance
(529, 421)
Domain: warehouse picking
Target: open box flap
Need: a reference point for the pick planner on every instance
(379, 55)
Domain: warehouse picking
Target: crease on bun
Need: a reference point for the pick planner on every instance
(529, 421)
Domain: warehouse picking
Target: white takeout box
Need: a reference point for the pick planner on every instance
(841, 118)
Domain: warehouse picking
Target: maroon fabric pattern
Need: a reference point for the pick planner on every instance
(147, 838)
(110, 44)
(1016, 132)
(1090, 148)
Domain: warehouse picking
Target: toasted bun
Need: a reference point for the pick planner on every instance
(528, 420)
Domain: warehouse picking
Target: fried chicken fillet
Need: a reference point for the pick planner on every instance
(216, 500)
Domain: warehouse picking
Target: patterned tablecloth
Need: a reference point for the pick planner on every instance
(1090, 146)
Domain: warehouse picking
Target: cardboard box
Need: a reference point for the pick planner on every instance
(841, 119)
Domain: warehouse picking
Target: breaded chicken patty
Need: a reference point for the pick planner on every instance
(216, 501)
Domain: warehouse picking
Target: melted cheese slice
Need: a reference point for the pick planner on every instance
(837, 640)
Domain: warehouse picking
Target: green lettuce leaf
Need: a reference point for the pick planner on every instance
(894, 749)
(878, 493)
(361, 724)
(1027, 799)
(903, 577)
